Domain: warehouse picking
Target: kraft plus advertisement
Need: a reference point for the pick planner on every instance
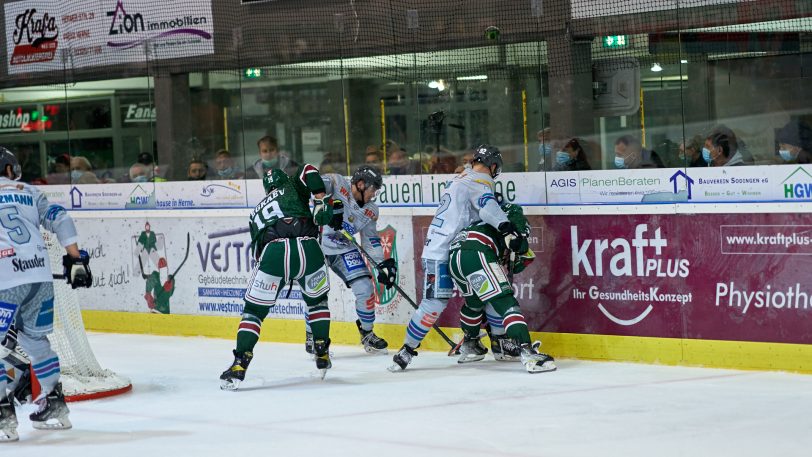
(706, 276)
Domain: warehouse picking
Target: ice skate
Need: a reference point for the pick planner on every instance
(8, 421)
(534, 361)
(321, 349)
(231, 378)
(472, 350)
(373, 344)
(52, 413)
(402, 359)
(505, 349)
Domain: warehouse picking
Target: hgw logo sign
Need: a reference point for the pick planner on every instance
(35, 38)
(798, 185)
(123, 25)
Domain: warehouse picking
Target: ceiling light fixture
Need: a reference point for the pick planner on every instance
(656, 67)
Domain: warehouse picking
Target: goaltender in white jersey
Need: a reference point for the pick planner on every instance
(468, 198)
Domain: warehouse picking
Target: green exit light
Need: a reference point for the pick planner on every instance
(615, 41)
(252, 73)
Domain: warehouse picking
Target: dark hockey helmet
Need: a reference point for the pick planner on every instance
(8, 158)
(370, 175)
(274, 179)
(489, 155)
(515, 214)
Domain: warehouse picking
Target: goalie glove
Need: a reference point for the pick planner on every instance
(337, 222)
(322, 210)
(387, 273)
(77, 271)
(514, 240)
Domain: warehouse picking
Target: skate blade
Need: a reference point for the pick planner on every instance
(7, 436)
(506, 358)
(470, 358)
(395, 368)
(57, 423)
(229, 384)
(543, 368)
(322, 373)
(371, 350)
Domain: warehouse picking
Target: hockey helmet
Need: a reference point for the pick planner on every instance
(274, 179)
(488, 155)
(370, 175)
(515, 214)
(7, 158)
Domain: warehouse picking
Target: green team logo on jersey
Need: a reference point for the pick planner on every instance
(389, 244)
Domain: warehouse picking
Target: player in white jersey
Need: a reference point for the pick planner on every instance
(360, 216)
(27, 293)
(468, 198)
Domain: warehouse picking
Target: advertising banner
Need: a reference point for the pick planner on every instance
(201, 266)
(45, 35)
(737, 277)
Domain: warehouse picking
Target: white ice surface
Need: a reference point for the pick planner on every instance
(436, 408)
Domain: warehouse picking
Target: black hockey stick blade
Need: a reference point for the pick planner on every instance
(188, 241)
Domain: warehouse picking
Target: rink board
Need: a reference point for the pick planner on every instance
(717, 285)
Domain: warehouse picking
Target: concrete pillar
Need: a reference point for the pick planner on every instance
(173, 127)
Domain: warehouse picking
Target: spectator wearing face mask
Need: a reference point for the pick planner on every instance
(224, 166)
(270, 157)
(546, 159)
(140, 173)
(81, 172)
(722, 149)
(690, 153)
(571, 157)
(629, 153)
(197, 170)
(794, 143)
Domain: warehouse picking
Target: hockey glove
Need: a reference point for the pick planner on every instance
(523, 261)
(9, 342)
(77, 271)
(322, 210)
(514, 240)
(387, 273)
(337, 222)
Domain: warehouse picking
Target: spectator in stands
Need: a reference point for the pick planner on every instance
(571, 157)
(59, 172)
(140, 172)
(690, 153)
(333, 162)
(81, 172)
(224, 166)
(270, 157)
(629, 153)
(721, 148)
(465, 160)
(400, 163)
(197, 170)
(794, 143)
(442, 162)
(372, 157)
(545, 149)
(156, 173)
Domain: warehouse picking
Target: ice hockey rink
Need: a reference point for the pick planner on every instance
(436, 408)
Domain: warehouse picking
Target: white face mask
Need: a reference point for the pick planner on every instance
(76, 174)
(787, 155)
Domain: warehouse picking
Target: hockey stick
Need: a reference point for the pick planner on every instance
(397, 287)
(188, 240)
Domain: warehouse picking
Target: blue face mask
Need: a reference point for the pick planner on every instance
(706, 155)
(141, 178)
(545, 149)
(226, 172)
(620, 162)
(76, 174)
(787, 155)
(270, 163)
(563, 158)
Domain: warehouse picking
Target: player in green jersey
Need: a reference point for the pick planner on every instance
(284, 240)
(477, 261)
